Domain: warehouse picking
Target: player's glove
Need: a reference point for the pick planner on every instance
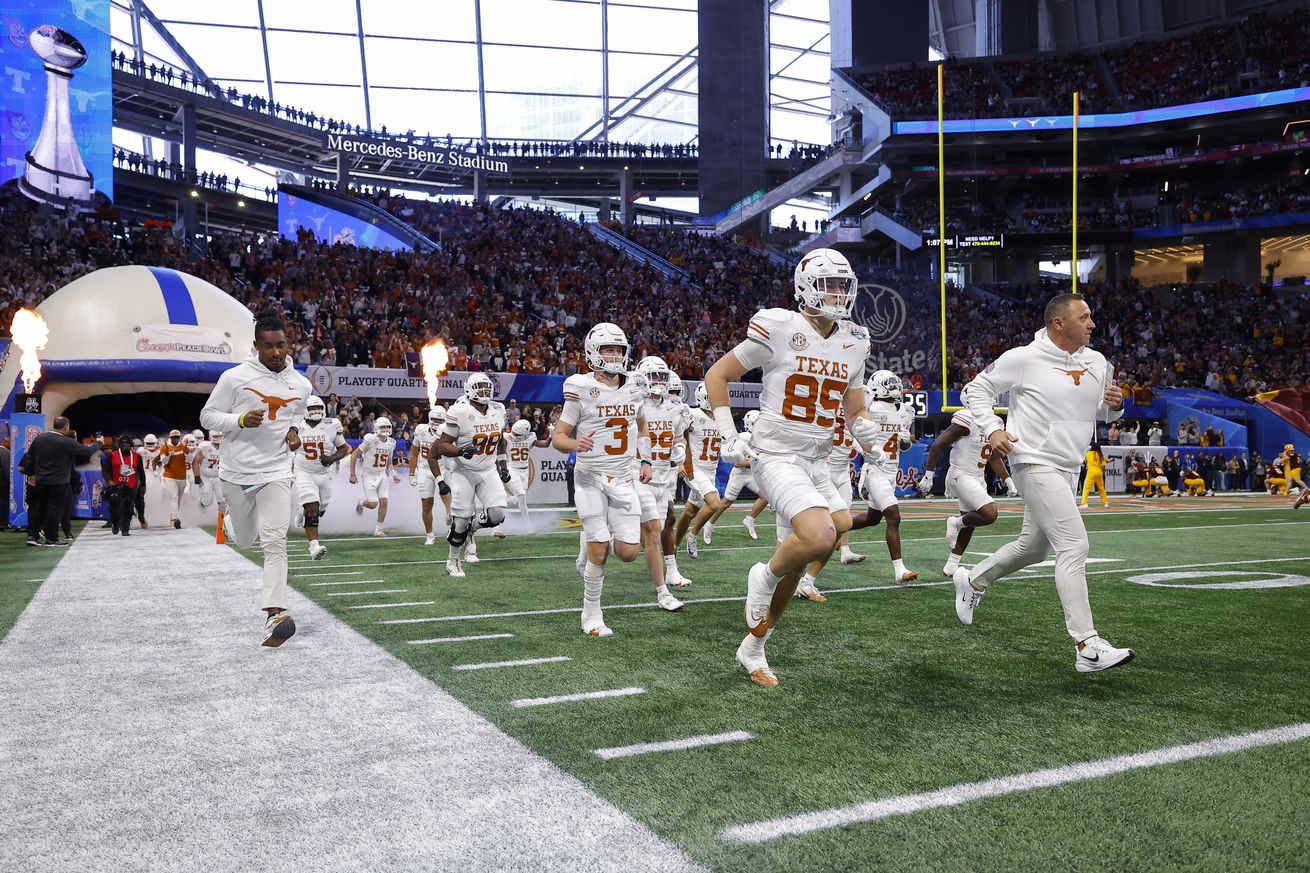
(1011, 490)
(736, 450)
(442, 488)
(467, 452)
(504, 474)
(413, 481)
(327, 460)
(679, 455)
(197, 480)
(907, 440)
(866, 434)
(925, 483)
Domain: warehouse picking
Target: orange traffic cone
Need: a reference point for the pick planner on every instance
(220, 539)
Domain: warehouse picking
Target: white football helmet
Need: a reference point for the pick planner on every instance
(885, 385)
(198, 434)
(606, 334)
(479, 388)
(215, 437)
(315, 410)
(437, 415)
(521, 428)
(151, 442)
(382, 427)
(749, 421)
(137, 443)
(823, 273)
(656, 373)
(190, 441)
(675, 386)
(703, 397)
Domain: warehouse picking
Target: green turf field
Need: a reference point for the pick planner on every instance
(24, 568)
(883, 693)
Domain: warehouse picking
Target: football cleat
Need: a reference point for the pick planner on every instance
(668, 602)
(676, 580)
(177, 524)
(317, 551)
(359, 507)
(758, 598)
(430, 539)
(498, 533)
(953, 527)
(594, 625)
(810, 591)
(692, 551)
(907, 576)
(749, 524)
(849, 557)
(707, 532)
(967, 597)
(757, 668)
(453, 568)
(380, 534)
(278, 629)
(1095, 654)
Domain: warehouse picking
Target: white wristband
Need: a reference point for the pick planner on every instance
(723, 417)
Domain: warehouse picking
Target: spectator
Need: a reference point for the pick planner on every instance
(48, 466)
(1155, 436)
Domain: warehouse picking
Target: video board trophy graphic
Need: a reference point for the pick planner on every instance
(55, 171)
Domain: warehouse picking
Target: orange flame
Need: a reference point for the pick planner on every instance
(435, 360)
(30, 334)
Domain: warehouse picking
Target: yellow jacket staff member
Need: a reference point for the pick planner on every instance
(1095, 474)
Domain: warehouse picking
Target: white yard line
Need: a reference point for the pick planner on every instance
(696, 742)
(321, 575)
(392, 605)
(468, 639)
(769, 546)
(369, 591)
(573, 698)
(349, 582)
(523, 662)
(771, 829)
(855, 590)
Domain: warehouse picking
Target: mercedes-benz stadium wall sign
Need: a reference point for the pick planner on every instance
(56, 100)
(433, 155)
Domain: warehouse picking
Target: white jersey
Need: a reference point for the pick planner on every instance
(207, 452)
(805, 378)
(316, 441)
(610, 415)
(703, 434)
(519, 449)
(481, 430)
(148, 457)
(970, 453)
(894, 423)
(375, 453)
(839, 459)
(425, 437)
(666, 422)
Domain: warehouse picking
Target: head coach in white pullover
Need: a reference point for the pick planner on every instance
(257, 405)
(1059, 388)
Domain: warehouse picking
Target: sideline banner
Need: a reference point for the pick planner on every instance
(23, 428)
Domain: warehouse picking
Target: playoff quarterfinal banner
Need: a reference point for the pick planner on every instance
(387, 384)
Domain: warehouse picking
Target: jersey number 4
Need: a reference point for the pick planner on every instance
(807, 400)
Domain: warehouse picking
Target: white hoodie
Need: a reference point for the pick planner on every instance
(1055, 401)
(255, 455)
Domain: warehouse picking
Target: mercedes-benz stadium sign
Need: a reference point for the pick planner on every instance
(433, 156)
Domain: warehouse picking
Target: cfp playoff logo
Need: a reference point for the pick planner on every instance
(881, 311)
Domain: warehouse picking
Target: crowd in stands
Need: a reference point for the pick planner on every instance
(1204, 64)
(139, 163)
(1271, 199)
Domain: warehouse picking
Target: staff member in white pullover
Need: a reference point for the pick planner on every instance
(1058, 389)
(256, 405)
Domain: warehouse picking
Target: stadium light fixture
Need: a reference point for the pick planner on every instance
(241, 203)
(195, 193)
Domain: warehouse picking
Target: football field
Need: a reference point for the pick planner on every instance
(898, 738)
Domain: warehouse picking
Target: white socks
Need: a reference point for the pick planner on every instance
(846, 552)
(770, 580)
(952, 562)
(898, 567)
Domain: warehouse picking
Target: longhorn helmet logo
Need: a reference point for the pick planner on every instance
(881, 311)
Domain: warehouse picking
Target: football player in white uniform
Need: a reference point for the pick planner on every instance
(742, 477)
(970, 456)
(669, 538)
(701, 472)
(430, 484)
(604, 409)
(377, 449)
(894, 425)
(471, 437)
(520, 440)
(839, 471)
(149, 452)
(204, 471)
(813, 365)
(665, 425)
(322, 444)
